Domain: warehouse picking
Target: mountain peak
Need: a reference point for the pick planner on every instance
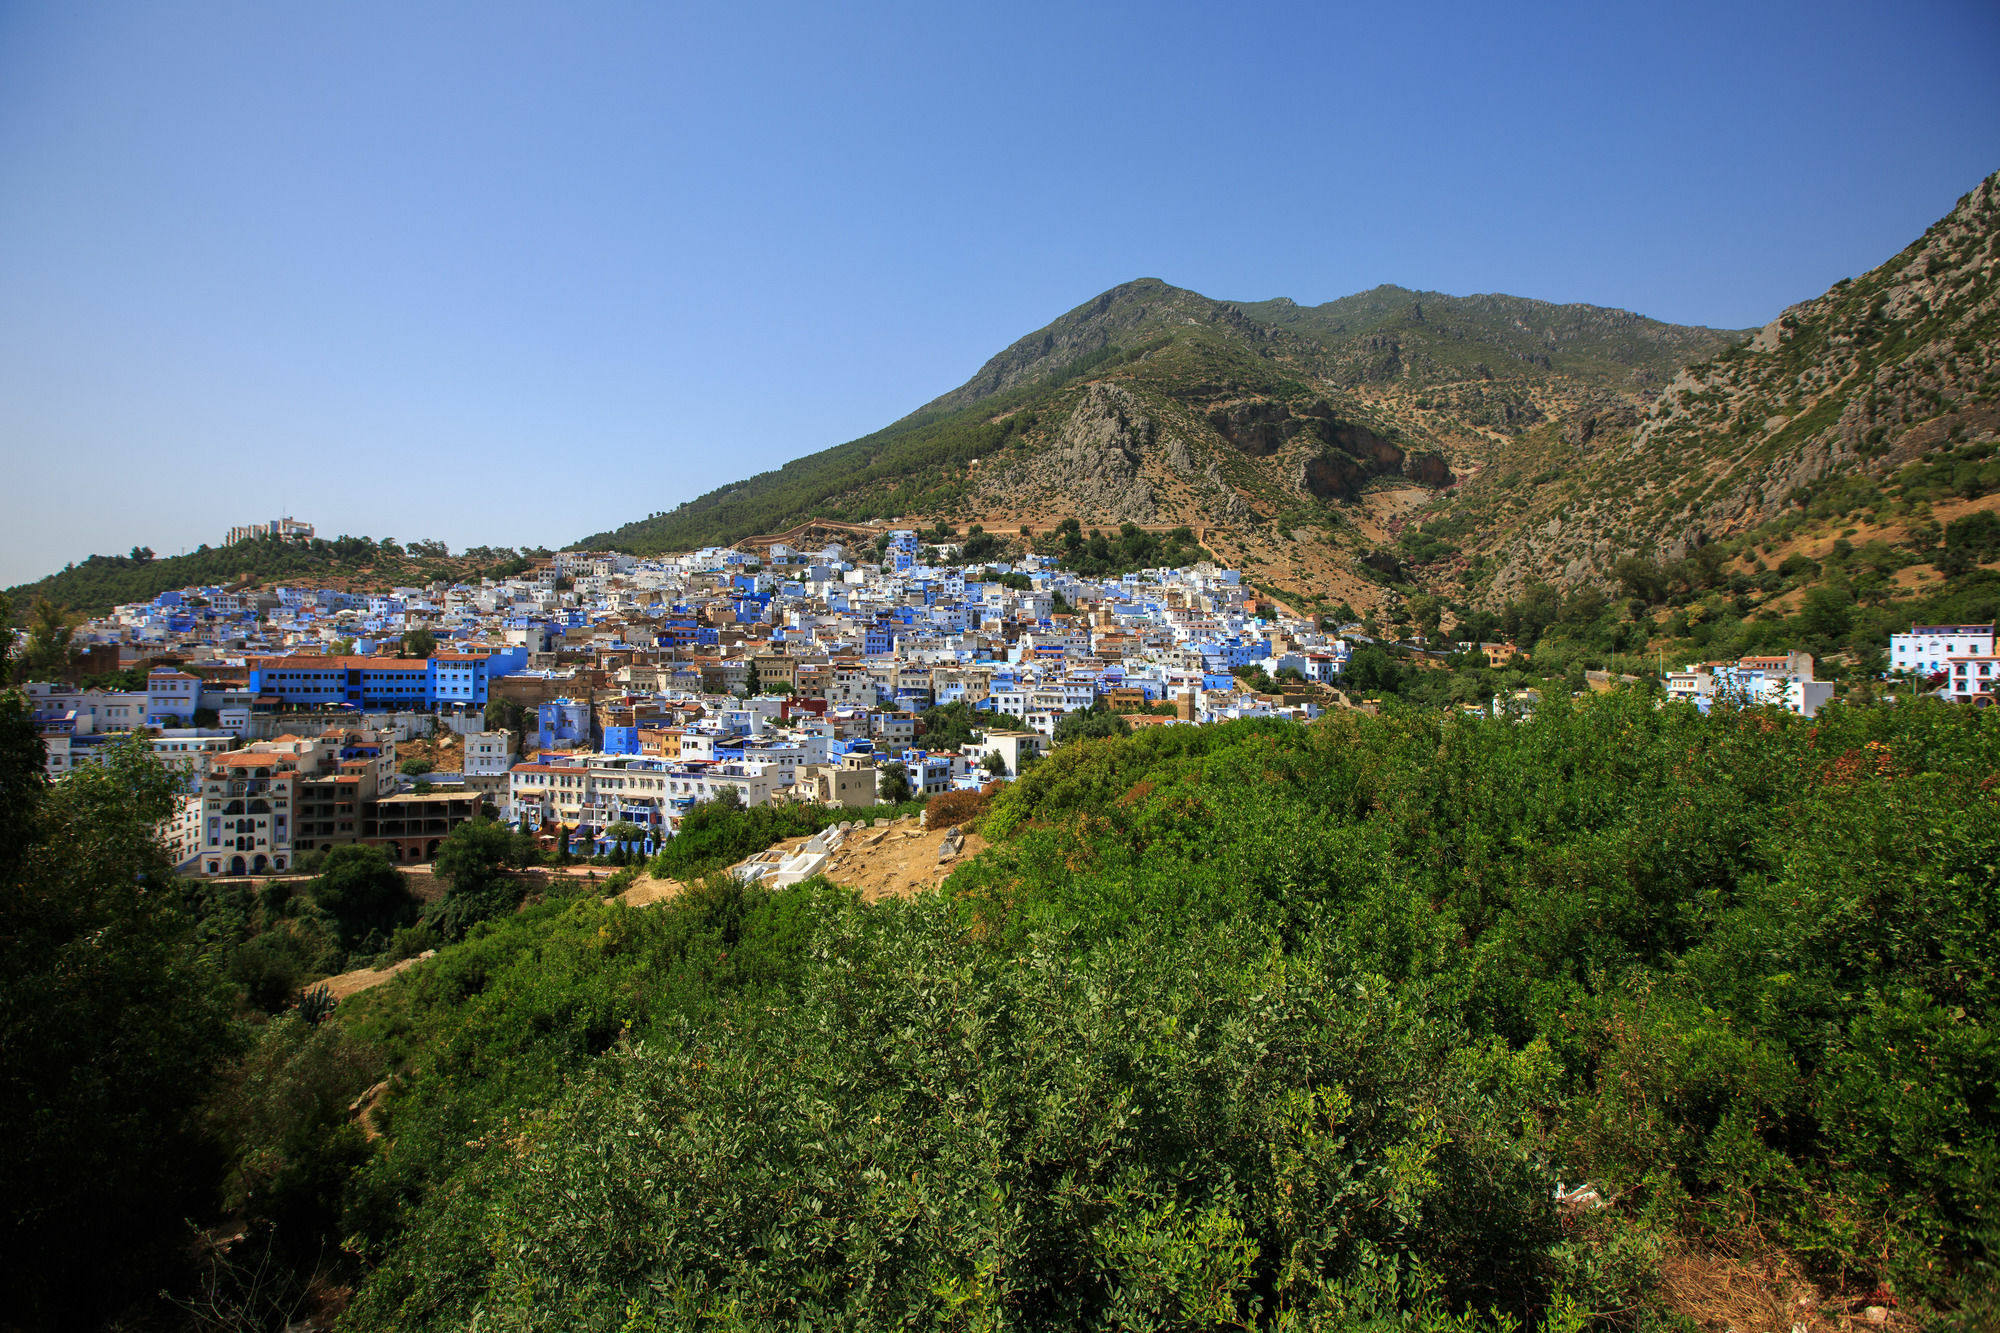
(1111, 318)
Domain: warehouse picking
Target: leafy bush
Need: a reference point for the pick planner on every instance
(954, 807)
(475, 858)
(281, 1119)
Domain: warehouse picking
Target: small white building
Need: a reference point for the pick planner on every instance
(1927, 650)
(488, 753)
(1973, 680)
(1014, 747)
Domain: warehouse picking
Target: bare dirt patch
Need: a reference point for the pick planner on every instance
(445, 751)
(898, 861)
(895, 861)
(645, 891)
(1381, 509)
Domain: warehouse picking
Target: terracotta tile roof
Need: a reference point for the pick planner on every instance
(244, 760)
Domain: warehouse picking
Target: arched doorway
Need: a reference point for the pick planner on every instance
(236, 866)
(260, 865)
(431, 851)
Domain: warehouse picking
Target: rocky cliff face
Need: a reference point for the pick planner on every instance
(1095, 462)
(1882, 371)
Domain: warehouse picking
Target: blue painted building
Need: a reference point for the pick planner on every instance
(382, 682)
(562, 721)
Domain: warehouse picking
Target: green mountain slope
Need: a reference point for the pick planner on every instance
(1434, 338)
(101, 582)
(1157, 405)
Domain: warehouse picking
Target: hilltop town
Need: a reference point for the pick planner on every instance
(599, 690)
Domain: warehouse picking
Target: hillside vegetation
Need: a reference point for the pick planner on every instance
(101, 582)
(1262, 1025)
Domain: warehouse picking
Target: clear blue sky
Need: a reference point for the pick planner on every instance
(513, 274)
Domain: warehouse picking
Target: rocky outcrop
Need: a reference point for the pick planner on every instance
(1331, 475)
(1257, 429)
(1589, 422)
(1223, 503)
(1428, 468)
(1889, 368)
(1094, 464)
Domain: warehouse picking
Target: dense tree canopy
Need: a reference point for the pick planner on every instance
(112, 1023)
(1089, 724)
(1096, 555)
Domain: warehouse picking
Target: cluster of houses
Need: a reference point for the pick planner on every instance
(598, 697)
(600, 693)
(1955, 663)
(1779, 681)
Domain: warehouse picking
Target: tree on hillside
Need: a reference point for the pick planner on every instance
(1427, 611)
(419, 643)
(1372, 669)
(48, 652)
(474, 860)
(114, 1022)
(980, 545)
(1090, 723)
(892, 784)
(23, 759)
(363, 892)
(949, 726)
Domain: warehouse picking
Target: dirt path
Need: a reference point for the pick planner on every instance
(353, 983)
